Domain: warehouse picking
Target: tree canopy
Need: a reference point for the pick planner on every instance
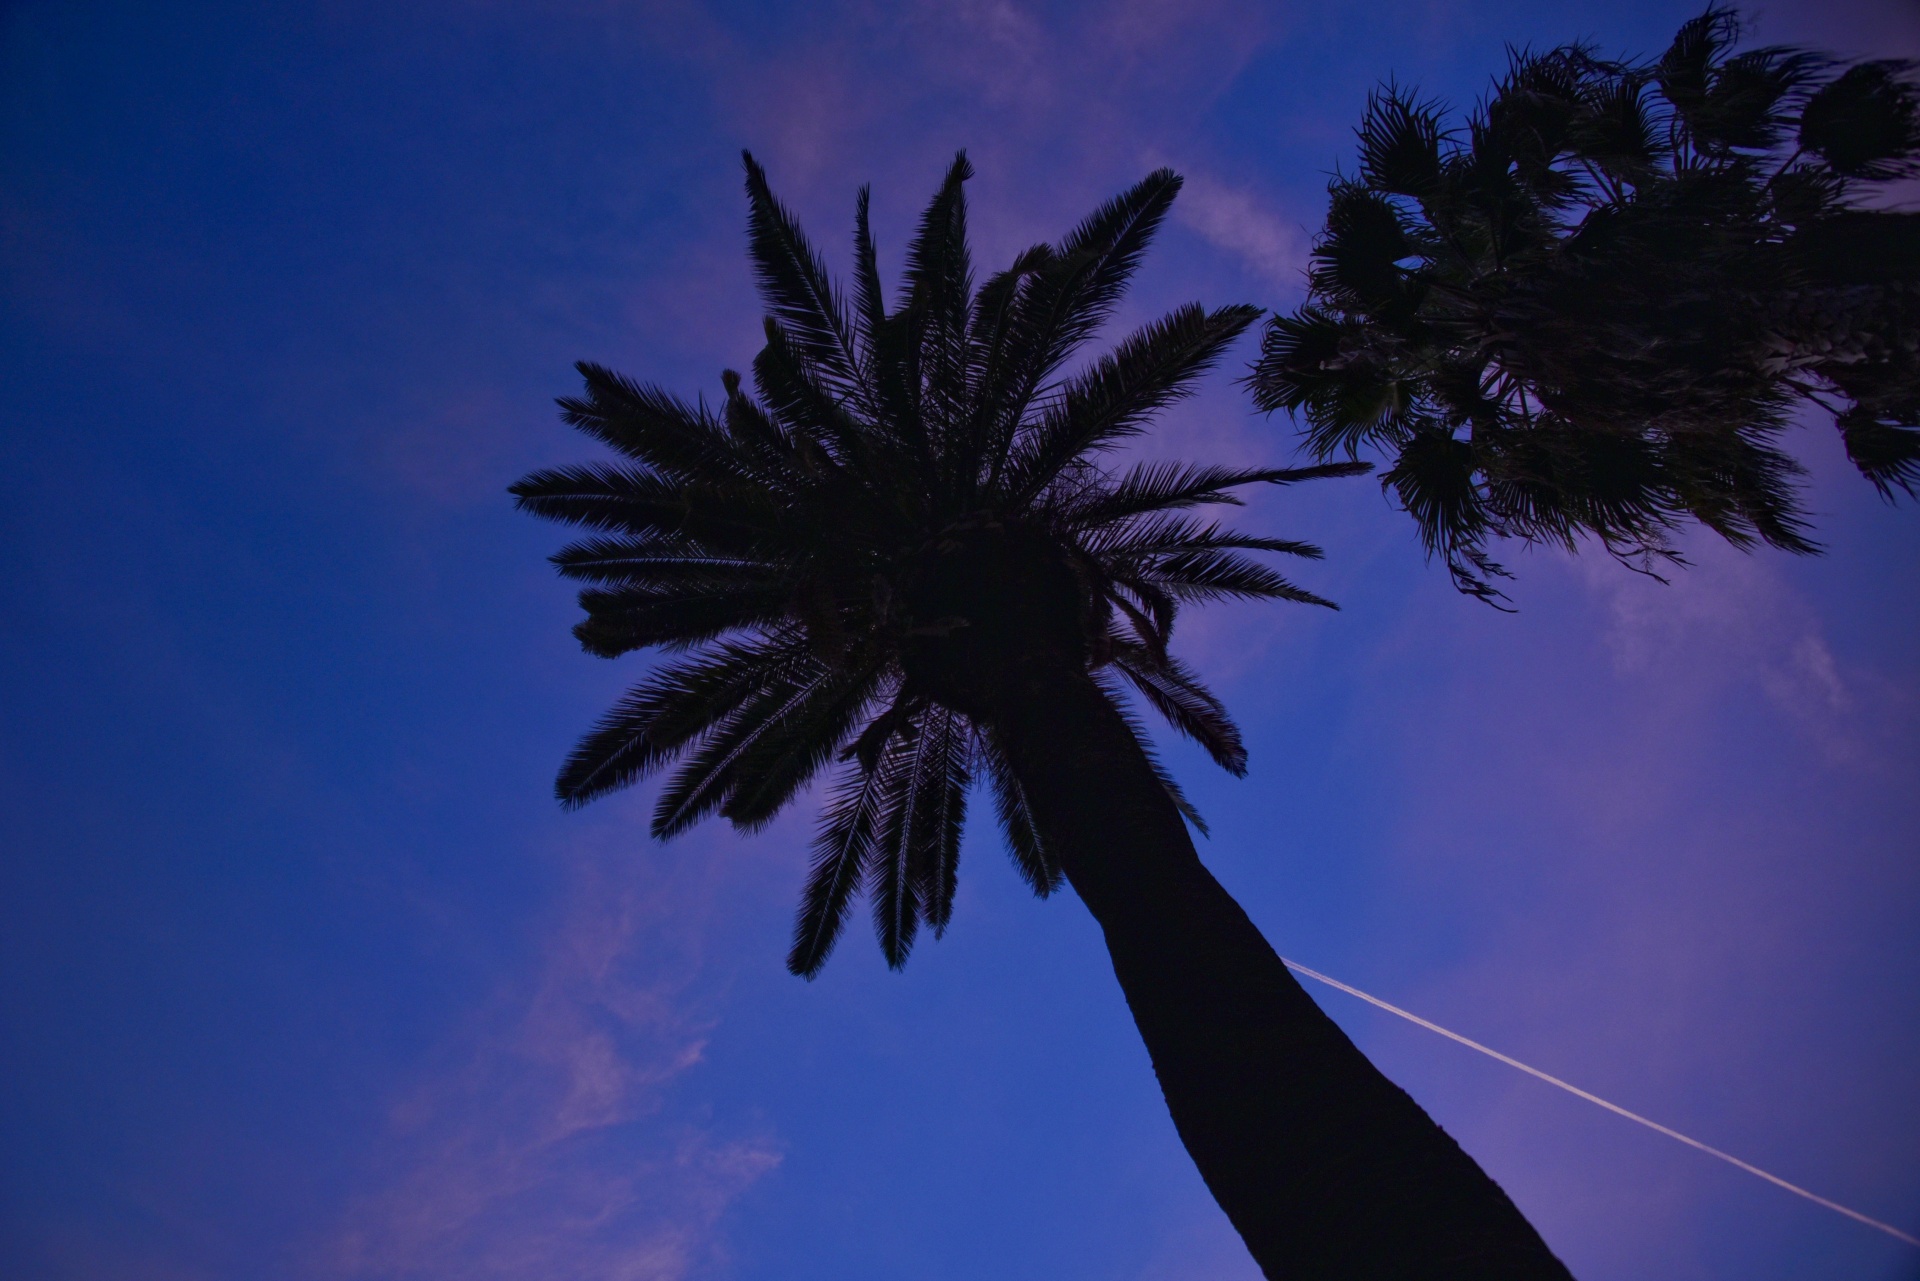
(1594, 308)
(788, 545)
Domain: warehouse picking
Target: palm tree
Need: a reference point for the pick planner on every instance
(908, 556)
(1595, 311)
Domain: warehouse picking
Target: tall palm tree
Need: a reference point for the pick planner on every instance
(909, 556)
(1595, 310)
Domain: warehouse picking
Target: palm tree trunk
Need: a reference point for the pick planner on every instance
(1326, 1168)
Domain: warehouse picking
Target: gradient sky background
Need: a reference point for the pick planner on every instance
(304, 975)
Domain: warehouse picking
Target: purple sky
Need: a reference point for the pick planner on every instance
(304, 975)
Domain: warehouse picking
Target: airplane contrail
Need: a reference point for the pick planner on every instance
(1774, 1179)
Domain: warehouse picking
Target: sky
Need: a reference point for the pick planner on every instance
(303, 974)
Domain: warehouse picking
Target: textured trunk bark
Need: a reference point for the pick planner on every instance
(1326, 1168)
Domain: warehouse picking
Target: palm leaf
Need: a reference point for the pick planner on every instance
(734, 516)
(1154, 367)
(893, 889)
(804, 402)
(994, 364)
(1140, 737)
(1160, 486)
(1176, 692)
(940, 814)
(912, 872)
(795, 285)
(659, 716)
(784, 757)
(1213, 575)
(710, 773)
(647, 561)
(1139, 540)
(842, 853)
(1085, 278)
(870, 299)
(696, 608)
(939, 291)
(651, 425)
(1035, 861)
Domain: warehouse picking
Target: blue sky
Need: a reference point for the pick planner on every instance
(304, 975)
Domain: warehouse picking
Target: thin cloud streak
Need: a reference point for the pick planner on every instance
(1740, 609)
(1233, 219)
(552, 1150)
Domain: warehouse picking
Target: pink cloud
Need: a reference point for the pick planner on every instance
(550, 1150)
(1732, 618)
(882, 86)
(1273, 248)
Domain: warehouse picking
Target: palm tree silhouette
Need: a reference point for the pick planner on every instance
(906, 555)
(1595, 311)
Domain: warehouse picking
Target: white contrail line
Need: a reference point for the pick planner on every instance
(1774, 1179)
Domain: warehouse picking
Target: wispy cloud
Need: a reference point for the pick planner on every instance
(1067, 94)
(1271, 246)
(551, 1150)
(1740, 610)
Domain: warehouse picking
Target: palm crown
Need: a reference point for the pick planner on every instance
(780, 543)
(1595, 311)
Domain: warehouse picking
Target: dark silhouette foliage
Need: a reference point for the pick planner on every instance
(909, 556)
(780, 545)
(1593, 309)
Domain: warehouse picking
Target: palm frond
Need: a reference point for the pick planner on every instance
(1138, 541)
(698, 607)
(673, 706)
(1177, 693)
(1037, 863)
(1154, 367)
(785, 756)
(1163, 486)
(916, 859)
(652, 426)
(787, 460)
(1087, 275)
(1139, 731)
(1212, 574)
(735, 516)
(795, 285)
(1866, 123)
(869, 297)
(712, 772)
(789, 384)
(1149, 610)
(1434, 481)
(944, 811)
(939, 295)
(1400, 143)
(842, 853)
(1886, 454)
(892, 887)
(997, 366)
(648, 560)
